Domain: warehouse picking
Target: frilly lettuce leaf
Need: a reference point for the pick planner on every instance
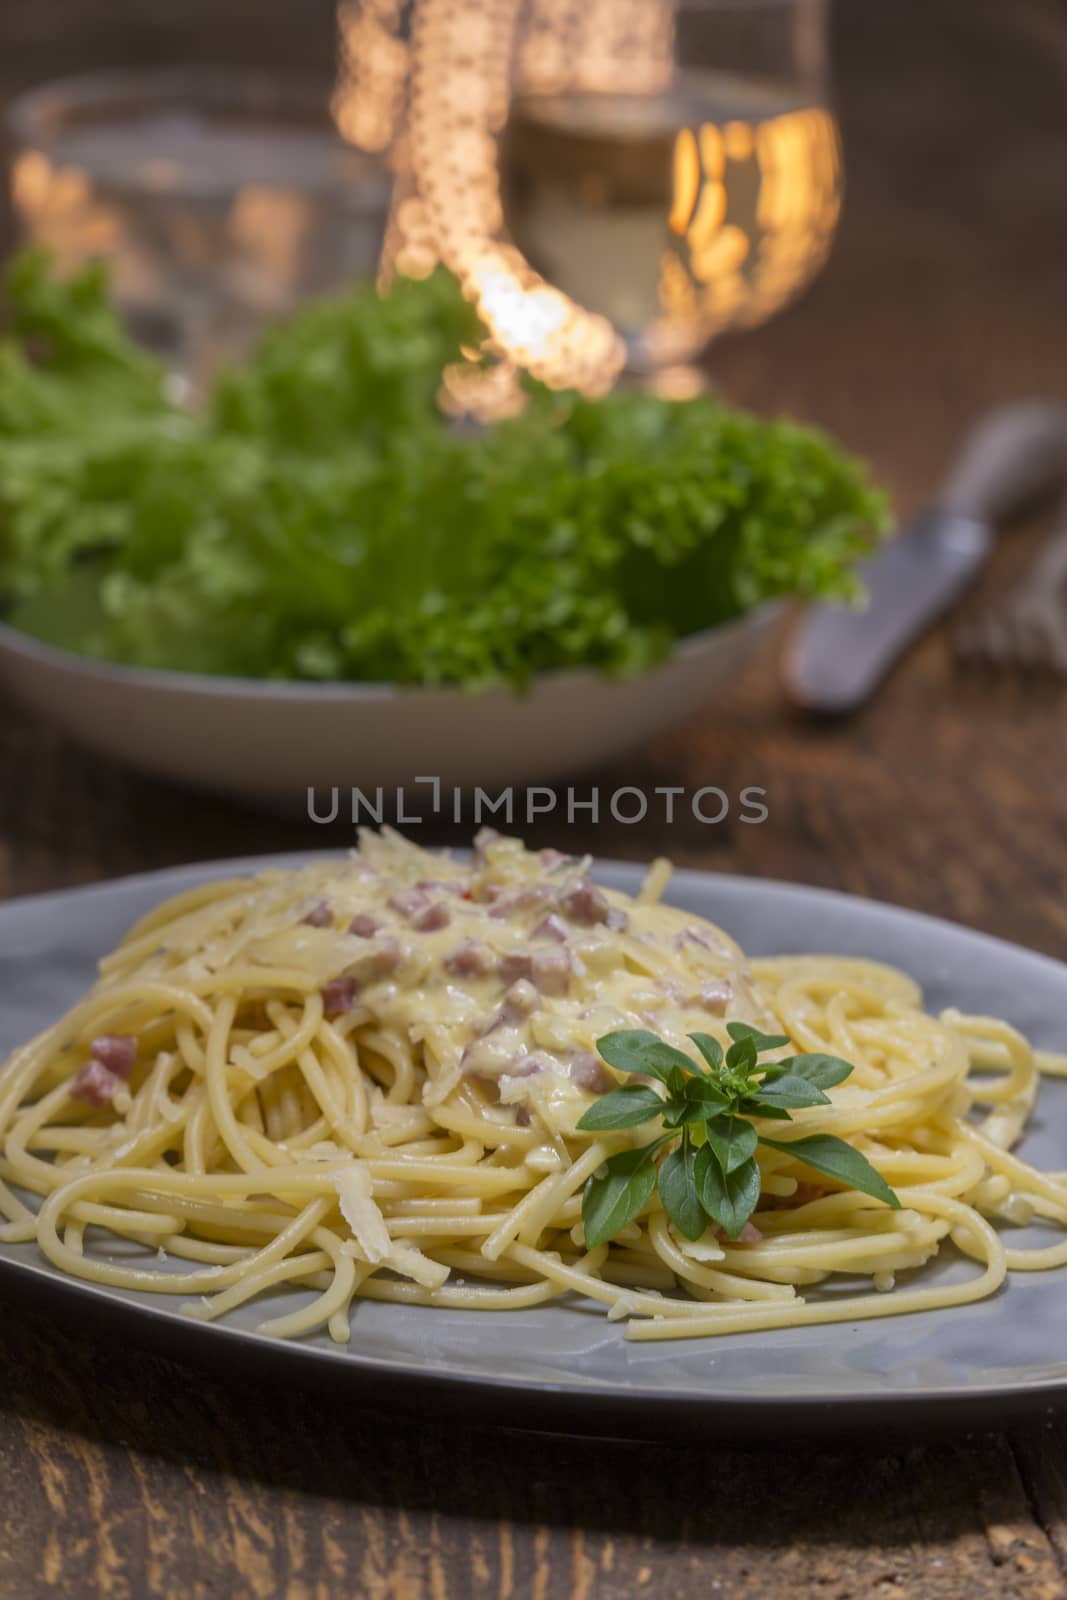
(318, 518)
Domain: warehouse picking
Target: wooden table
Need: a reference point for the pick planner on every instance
(122, 1475)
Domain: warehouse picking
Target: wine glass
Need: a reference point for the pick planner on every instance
(672, 165)
(221, 199)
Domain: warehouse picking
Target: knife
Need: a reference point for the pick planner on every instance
(1010, 460)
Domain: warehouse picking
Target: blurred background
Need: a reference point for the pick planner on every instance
(945, 119)
(922, 279)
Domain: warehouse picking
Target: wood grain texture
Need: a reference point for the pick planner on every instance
(121, 1476)
(126, 1476)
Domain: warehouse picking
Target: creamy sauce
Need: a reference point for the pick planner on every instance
(505, 969)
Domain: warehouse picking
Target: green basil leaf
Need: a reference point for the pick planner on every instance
(636, 1050)
(611, 1201)
(678, 1191)
(757, 1108)
(622, 1108)
(702, 1092)
(729, 1198)
(677, 1112)
(699, 1100)
(741, 1056)
(821, 1070)
(677, 1080)
(732, 1140)
(791, 1092)
(838, 1160)
(762, 1041)
(770, 1070)
(709, 1048)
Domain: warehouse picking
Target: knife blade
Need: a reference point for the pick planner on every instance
(1010, 460)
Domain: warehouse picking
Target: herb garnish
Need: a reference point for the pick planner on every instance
(711, 1173)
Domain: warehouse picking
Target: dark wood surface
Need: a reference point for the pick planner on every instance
(124, 1475)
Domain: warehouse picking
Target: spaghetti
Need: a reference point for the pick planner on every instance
(363, 1080)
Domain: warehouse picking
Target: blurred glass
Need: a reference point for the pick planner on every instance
(220, 199)
(682, 185)
(614, 181)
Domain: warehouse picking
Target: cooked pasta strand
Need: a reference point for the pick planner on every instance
(363, 1081)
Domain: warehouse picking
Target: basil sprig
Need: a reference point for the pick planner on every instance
(710, 1173)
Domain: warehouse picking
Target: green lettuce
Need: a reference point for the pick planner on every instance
(317, 517)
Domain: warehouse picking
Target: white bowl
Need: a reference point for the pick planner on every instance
(270, 742)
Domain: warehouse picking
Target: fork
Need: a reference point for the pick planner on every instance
(1027, 630)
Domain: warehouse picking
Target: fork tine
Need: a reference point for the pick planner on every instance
(1048, 635)
(964, 643)
(1058, 651)
(973, 644)
(1027, 628)
(998, 643)
(1026, 642)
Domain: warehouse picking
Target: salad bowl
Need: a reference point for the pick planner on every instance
(268, 742)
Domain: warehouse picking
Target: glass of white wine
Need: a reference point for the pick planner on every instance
(673, 165)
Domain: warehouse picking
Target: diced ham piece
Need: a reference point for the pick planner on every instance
(519, 1001)
(338, 996)
(408, 902)
(516, 965)
(586, 1071)
(715, 997)
(365, 925)
(498, 1072)
(471, 959)
(319, 915)
(550, 970)
(583, 902)
(436, 915)
(527, 1067)
(551, 859)
(95, 1084)
(511, 1082)
(380, 963)
(703, 937)
(749, 1234)
(530, 898)
(115, 1051)
(552, 927)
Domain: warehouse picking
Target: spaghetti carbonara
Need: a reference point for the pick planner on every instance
(363, 1079)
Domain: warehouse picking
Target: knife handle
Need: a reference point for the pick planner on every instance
(838, 656)
(1013, 458)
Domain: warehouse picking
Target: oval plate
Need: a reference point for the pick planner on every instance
(564, 1366)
